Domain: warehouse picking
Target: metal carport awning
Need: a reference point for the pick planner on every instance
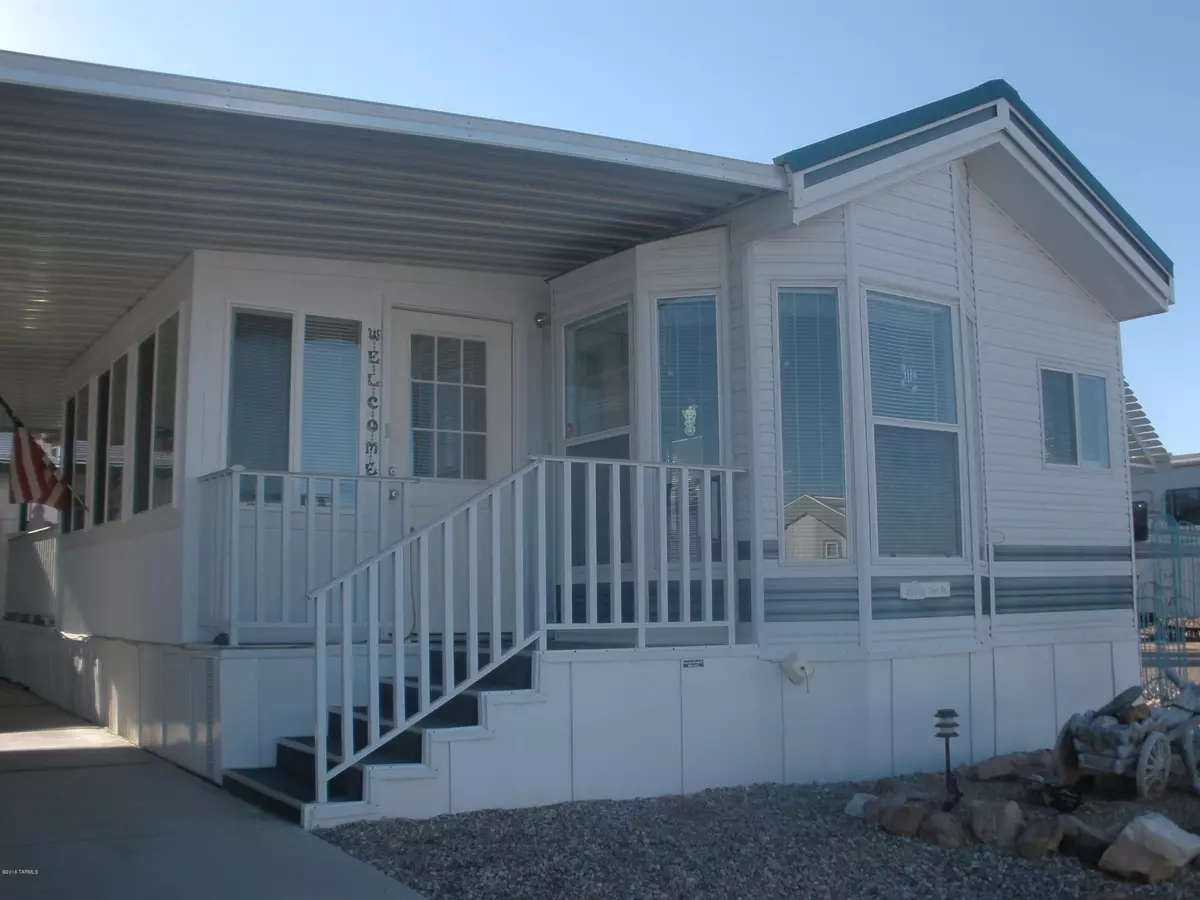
(109, 178)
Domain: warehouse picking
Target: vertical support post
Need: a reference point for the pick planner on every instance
(260, 574)
(285, 549)
(494, 648)
(321, 725)
(235, 484)
(347, 591)
(399, 583)
(705, 522)
(614, 544)
(473, 590)
(518, 512)
(373, 653)
(729, 555)
(640, 587)
(567, 593)
(590, 521)
(685, 545)
(664, 567)
(542, 594)
(423, 674)
(310, 535)
(448, 679)
(334, 530)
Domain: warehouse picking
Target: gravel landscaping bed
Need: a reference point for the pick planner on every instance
(769, 841)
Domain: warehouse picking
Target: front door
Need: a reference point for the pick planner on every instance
(451, 423)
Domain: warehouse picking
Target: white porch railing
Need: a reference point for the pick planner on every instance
(31, 578)
(562, 545)
(268, 538)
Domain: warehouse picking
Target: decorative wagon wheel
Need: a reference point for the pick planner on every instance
(1154, 766)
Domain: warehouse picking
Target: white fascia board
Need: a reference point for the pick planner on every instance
(810, 202)
(203, 93)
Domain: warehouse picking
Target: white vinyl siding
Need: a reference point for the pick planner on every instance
(1033, 316)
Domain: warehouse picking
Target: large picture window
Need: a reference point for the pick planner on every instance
(688, 394)
(815, 514)
(597, 375)
(914, 405)
(1074, 419)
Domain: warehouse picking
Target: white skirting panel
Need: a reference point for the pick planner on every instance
(158, 696)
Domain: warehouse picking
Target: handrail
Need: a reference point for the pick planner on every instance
(423, 530)
(325, 476)
(656, 464)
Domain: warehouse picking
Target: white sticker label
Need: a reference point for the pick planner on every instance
(924, 590)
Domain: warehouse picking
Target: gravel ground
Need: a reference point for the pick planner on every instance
(768, 841)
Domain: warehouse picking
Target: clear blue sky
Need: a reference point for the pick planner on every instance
(1118, 81)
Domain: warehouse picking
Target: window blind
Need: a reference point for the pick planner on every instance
(1093, 422)
(688, 397)
(260, 391)
(330, 405)
(164, 412)
(80, 456)
(143, 424)
(917, 495)
(101, 455)
(1058, 417)
(912, 359)
(811, 418)
(116, 440)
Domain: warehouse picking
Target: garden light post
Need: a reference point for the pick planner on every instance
(947, 723)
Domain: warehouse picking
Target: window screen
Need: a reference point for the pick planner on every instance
(1093, 422)
(813, 434)
(917, 496)
(688, 404)
(164, 412)
(597, 374)
(143, 425)
(260, 391)
(116, 438)
(1058, 417)
(332, 376)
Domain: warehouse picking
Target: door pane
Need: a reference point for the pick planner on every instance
(597, 374)
(448, 421)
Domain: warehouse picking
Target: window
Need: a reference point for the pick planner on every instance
(833, 550)
(1141, 520)
(597, 375)
(116, 438)
(164, 412)
(260, 391)
(812, 430)
(79, 457)
(143, 424)
(1074, 419)
(329, 418)
(918, 502)
(688, 396)
(1183, 505)
(449, 407)
(98, 482)
(68, 461)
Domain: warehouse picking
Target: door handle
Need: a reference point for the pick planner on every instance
(393, 494)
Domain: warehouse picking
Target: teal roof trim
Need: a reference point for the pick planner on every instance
(931, 113)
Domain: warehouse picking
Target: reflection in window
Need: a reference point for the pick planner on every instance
(68, 462)
(688, 406)
(1183, 505)
(813, 434)
(164, 412)
(116, 439)
(143, 424)
(98, 483)
(597, 374)
(448, 407)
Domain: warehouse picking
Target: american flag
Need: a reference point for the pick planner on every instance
(32, 477)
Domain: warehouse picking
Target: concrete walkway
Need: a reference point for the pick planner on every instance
(95, 817)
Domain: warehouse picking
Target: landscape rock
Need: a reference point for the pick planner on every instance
(996, 823)
(1151, 848)
(943, 829)
(857, 805)
(998, 768)
(886, 786)
(1040, 838)
(1041, 759)
(903, 819)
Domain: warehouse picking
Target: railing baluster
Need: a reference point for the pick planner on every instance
(494, 637)
(729, 556)
(285, 549)
(472, 591)
(310, 536)
(590, 540)
(706, 542)
(664, 526)
(235, 542)
(398, 610)
(260, 574)
(518, 511)
(614, 545)
(358, 523)
(685, 545)
(638, 551)
(448, 679)
(542, 593)
(423, 673)
(334, 528)
(373, 653)
(321, 726)
(347, 669)
(567, 592)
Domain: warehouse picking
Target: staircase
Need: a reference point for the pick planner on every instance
(288, 786)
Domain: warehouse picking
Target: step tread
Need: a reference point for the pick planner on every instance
(284, 785)
(387, 755)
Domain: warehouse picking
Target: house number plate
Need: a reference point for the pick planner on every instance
(924, 590)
